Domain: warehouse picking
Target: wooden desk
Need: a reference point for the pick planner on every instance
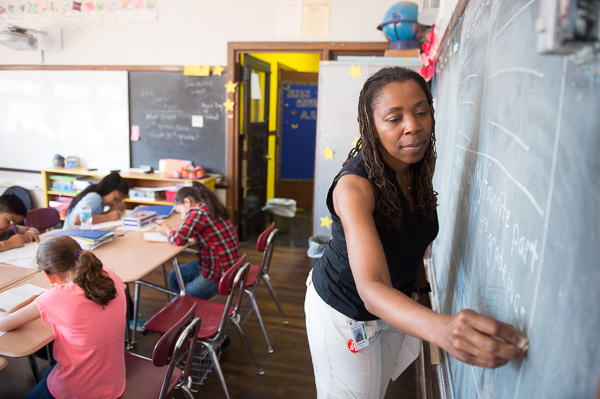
(131, 257)
(31, 337)
(11, 275)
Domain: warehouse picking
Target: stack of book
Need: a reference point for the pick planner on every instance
(139, 218)
(162, 211)
(87, 239)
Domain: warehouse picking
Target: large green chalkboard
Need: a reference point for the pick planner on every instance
(518, 180)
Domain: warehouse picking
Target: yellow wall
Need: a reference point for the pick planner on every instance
(301, 62)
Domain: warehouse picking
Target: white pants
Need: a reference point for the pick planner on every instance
(340, 373)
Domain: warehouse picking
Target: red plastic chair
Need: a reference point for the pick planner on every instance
(42, 218)
(214, 315)
(265, 245)
(157, 377)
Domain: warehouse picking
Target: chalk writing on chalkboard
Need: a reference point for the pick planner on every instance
(517, 180)
(167, 106)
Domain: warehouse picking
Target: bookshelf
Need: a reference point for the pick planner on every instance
(134, 179)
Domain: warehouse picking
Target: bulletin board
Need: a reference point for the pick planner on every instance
(298, 115)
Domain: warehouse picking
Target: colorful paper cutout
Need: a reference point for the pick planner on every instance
(196, 70)
(135, 133)
(228, 105)
(355, 71)
(328, 153)
(326, 222)
(230, 86)
(429, 51)
(294, 126)
(218, 70)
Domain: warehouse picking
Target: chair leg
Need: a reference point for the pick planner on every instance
(136, 302)
(128, 316)
(186, 392)
(164, 273)
(217, 366)
(259, 318)
(267, 280)
(242, 336)
(34, 367)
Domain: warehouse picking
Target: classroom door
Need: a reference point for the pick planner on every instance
(254, 145)
(296, 136)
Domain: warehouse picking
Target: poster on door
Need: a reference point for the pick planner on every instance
(298, 132)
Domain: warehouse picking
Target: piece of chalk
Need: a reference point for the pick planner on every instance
(523, 344)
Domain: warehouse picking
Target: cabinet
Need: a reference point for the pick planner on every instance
(134, 179)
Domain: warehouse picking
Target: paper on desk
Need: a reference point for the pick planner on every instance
(2, 332)
(159, 237)
(107, 225)
(15, 296)
(147, 227)
(411, 347)
(155, 236)
(27, 263)
(25, 252)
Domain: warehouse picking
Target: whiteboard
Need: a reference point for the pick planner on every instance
(84, 114)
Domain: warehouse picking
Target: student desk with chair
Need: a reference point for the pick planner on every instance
(129, 255)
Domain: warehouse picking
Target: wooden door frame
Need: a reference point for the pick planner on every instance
(328, 51)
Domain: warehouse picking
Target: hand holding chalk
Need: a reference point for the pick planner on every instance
(479, 340)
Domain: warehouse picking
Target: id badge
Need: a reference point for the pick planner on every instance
(359, 334)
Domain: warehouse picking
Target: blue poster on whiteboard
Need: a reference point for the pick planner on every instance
(298, 132)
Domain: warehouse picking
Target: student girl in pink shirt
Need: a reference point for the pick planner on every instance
(86, 308)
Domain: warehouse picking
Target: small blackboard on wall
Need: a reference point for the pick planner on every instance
(178, 116)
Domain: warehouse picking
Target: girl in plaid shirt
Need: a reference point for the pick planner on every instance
(205, 220)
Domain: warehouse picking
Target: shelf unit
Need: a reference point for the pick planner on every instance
(134, 179)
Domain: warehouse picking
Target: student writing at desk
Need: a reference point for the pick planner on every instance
(12, 212)
(86, 308)
(206, 221)
(110, 191)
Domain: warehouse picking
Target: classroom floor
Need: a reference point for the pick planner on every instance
(288, 371)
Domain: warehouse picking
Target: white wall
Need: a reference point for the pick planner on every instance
(190, 32)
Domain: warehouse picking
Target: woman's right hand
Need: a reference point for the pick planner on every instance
(481, 341)
(16, 241)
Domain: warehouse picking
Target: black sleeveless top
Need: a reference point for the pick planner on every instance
(403, 248)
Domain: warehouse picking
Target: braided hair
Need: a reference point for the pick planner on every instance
(388, 211)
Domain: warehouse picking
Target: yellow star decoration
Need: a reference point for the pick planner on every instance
(228, 105)
(355, 71)
(328, 153)
(354, 142)
(218, 70)
(326, 222)
(230, 86)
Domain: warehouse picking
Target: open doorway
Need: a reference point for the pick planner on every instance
(238, 201)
